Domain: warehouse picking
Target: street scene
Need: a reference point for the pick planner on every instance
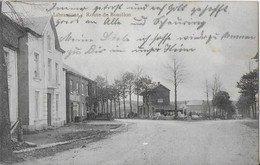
(164, 142)
(112, 83)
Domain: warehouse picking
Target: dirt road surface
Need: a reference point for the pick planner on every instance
(150, 142)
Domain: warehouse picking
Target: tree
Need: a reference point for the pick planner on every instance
(137, 87)
(115, 97)
(176, 74)
(128, 78)
(248, 85)
(102, 85)
(5, 137)
(215, 88)
(223, 103)
(119, 86)
(123, 84)
(146, 85)
(207, 95)
(111, 92)
(243, 105)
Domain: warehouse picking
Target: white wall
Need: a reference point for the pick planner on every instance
(43, 84)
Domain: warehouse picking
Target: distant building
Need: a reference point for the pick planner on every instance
(158, 99)
(199, 107)
(78, 89)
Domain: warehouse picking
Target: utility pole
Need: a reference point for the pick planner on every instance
(5, 137)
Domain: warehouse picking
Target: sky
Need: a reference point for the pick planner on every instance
(227, 58)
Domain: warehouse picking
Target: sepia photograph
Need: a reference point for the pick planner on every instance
(129, 82)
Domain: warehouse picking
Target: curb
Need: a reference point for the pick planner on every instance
(65, 142)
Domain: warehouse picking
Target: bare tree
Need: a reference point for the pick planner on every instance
(118, 86)
(5, 137)
(123, 84)
(137, 85)
(128, 78)
(207, 95)
(102, 85)
(215, 88)
(175, 71)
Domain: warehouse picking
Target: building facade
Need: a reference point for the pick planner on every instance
(36, 77)
(43, 98)
(11, 36)
(11, 61)
(78, 89)
(157, 99)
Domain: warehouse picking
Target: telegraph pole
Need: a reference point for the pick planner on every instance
(5, 137)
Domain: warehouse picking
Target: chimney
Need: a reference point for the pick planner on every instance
(158, 83)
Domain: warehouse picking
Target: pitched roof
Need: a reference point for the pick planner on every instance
(38, 25)
(161, 86)
(75, 72)
(153, 88)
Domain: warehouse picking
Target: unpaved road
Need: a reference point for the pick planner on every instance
(149, 142)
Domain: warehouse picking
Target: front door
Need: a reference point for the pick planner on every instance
(49, 109)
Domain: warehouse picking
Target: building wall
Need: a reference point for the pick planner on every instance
(77, 98)
(15, 42)
(23, 80)
(161, 96)
(41, 85)
(36, 84)
(11, 61)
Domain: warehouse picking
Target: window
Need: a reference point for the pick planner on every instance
(10, 102)
(77, 88)
(87, 89)
(57, 72)
(76, 109)
(37, 94)
(82, 109)
(160, 100)
(71, 86)
(36, 64)
(95, 90)
(82, 89)
(57, 106)
(50, 69)
(7, 62)
(49, 42)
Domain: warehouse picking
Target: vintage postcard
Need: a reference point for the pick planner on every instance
(129, 83)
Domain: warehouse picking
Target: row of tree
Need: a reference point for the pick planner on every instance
(221, 103)
(117, 92)
(249, 87)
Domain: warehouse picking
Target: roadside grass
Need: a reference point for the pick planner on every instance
(251, 124)
(89, 133)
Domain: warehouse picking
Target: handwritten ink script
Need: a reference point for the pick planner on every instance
(146, 28)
